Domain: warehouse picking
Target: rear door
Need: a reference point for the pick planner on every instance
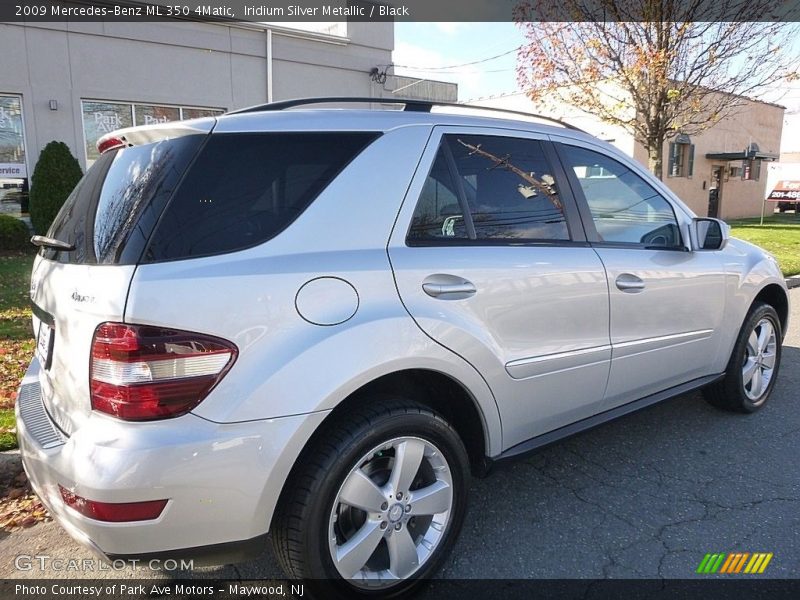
(107, 219)
(491, 261)
(667, 302)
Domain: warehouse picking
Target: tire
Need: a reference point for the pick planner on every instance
(736, 391)
(353, 461)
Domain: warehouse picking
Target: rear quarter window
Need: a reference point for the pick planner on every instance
(245, 188)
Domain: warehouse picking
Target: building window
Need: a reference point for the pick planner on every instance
(12, 139)
(147, 114)
(751, 169)
(102, 116)
(734, 171)
(681, 157)
(199, 113)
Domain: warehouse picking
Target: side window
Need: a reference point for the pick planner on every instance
(245, 188)
(624, 207)
(507, 184)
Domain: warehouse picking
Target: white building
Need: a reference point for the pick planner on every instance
(74, 81)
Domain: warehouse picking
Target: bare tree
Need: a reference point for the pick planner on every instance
(655, 67)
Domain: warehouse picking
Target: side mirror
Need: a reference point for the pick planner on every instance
(709, 234)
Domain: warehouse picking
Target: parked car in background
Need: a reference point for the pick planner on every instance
(317, 323)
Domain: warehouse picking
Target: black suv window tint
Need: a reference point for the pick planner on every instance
(111, 212)
(507, 184)
(624, 207)
(245, 188)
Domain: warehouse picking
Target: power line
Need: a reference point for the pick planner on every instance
(474, 62)
(468, 72)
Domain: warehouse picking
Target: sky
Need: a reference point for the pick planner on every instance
(430, 46)
(430, 51)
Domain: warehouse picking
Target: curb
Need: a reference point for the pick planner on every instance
(793, 282)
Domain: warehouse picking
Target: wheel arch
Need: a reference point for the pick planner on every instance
(443, 394)
(439, 391)
(774, 295)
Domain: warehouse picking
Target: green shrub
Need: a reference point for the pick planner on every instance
(14, 234)
(54, 177)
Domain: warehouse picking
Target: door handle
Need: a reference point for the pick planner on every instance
(629, 283)
(462, 289)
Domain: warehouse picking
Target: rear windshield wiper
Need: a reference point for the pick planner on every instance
(48, 242)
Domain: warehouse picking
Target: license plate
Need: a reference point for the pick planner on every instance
(44, 344)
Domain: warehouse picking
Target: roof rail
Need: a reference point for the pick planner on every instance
(412, 105)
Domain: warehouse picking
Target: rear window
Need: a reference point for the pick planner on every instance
(112, 211)
(245, 188)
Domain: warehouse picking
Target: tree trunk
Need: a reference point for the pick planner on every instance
(655, 158)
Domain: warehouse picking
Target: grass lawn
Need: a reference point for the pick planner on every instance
(19, 506)
(780, 235)
(16, 340)
(8, 439)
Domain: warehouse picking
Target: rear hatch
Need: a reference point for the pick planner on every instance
(106, 221)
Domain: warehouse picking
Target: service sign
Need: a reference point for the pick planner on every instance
(785, 191)
(12, 140)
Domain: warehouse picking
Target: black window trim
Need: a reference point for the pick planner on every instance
(586, 219)
(575, 228)
(491, 242)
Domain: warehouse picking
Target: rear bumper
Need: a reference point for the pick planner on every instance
(222, 481)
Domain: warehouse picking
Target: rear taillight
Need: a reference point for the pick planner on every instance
(111, 143)
(113, 512)
(141, 373)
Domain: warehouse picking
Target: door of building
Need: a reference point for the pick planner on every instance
(715, 192)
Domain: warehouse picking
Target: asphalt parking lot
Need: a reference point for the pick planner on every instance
(646, 496)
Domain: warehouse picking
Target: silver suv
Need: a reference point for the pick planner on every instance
(317, 323)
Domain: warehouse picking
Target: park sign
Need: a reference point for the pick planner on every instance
(786, 190)
(12, 139)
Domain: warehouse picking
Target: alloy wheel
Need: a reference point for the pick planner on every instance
(391, 513)
(758, 365)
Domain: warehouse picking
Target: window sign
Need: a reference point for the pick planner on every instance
(197, 113)
(12, 139)
(100, 118)
(148, 114)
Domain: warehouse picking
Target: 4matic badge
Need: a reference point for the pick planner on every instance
(81, 298)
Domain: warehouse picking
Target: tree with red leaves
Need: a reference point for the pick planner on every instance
(656, 68)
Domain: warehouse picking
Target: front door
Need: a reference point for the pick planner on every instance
(666, 302)
(715, 192)
(491, 261)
